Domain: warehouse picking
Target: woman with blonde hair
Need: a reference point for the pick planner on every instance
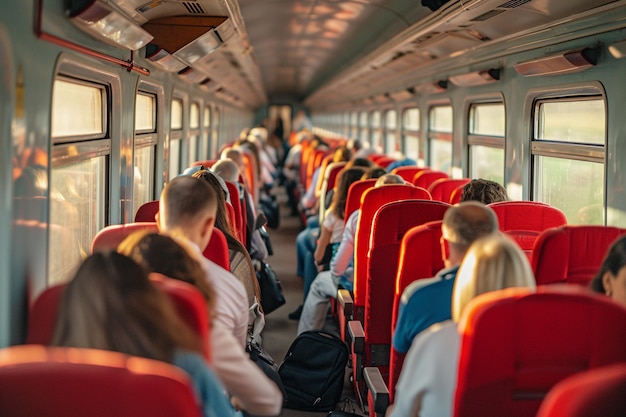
(111, 304)
(428, 379)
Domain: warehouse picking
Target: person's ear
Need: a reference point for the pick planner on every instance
(606, 282)
(157, 219)
(207, 227)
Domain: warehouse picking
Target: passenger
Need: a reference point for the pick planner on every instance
(428, 301)
(374, 172)
(428, 379)
(611, 278)
(187, 209)
(341, 271)
(112, 305)
(253, 392)
(485, 191)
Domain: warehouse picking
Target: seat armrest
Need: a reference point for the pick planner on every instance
(357, 336)
(377, 389)
(345, 301)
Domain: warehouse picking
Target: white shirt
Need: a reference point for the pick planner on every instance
(429, 372)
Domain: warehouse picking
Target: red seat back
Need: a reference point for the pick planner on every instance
(217, 249)
(111, 236)
(207, 163)
(408, 172)
(371, 201)
(384, 162)
(425, 178)
(524, 221)
(147, 211)
(442, 189)
(516, 344)
(420, 257)
(598, 392)
(355, 192)
(71, 382)
(571, 254)
(235, 202)
(187, 300)
(456, 194)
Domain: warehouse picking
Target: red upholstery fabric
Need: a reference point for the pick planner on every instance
(523, 221)
(333, 172)
(217, 249)
(111, 236)
(355, 192)
(326, 161)
(598, 392)
(371, 201)
(425, 178)
(517, 344)
(188, 301)
(409, 172)
(207, 163)
(455, 195)
(314, 161)
(571, 254)
(442, 189)
(147, 211)
(52, 382)
(424, 241)
(385, 161)
(235, 202)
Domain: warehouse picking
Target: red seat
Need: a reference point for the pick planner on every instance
(217, 249)
(385, 161)
(355, 192)
(425, 178)
(147, 211)
(207, 163)
(516, 344)
(110, 237)
(408, 172)
(442, 189)
(389, 225)
(598, 392)
(71, 382)
(456, 194)
(235, 202)
(571, 254)
(188, 301)
(524, 221)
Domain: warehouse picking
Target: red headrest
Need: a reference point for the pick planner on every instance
(217, 249)
(425, 178)
(441, 189)
(147, 211)
(111, 236)
(408, 172)
(355, 192)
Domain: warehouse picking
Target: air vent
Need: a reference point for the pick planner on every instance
(512, 4)
(487, 16)
(193, 7)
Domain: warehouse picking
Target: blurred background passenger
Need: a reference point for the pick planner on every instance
(611, 278)
(485, 191)
(428, 379)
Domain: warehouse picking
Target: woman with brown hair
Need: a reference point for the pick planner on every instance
(111, 304)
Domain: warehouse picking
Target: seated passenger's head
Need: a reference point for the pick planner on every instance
(222, 221)
(492, 263)
(611, 278)
(463, 224)
(389, 179)
(111, 304)
(342, 154)
(374, 173)
(485, 191)
(165, 255)
(188, 206)
(234, 155)
(227, 170)
(359, 162)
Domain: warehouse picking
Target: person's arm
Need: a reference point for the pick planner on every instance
(345, 253)
(322, 242)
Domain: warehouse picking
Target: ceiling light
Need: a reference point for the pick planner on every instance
(162, 59)
(563, 63)
(618, 49)
(201, 47)
(101, 21)
(476, 78)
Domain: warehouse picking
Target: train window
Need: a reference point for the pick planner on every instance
(216, 129)
(391, 124)
(363, 128)
(78, 110)
(194, 132)
(176, 137)
(206, 133)
(440, 138)
(354, 125)
(144, 155)
(376, 134)
(486, 141)
(411, 133)
(568, 156)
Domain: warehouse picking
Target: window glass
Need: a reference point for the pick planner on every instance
(440, 138)
(206, 133)
(194, 116)
(176, 122)
(411, 119)
(581, 121)
(174, 158)
(77, 109)
(144, 176)
(440, 155)
(78, 202)
(145, 113)
(487, 162)
(193, 149)
(216, 130)
(487, 119)
(441, 119)
(390, 119)
(575, 187)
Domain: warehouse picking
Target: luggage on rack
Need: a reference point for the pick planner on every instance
(313, 371)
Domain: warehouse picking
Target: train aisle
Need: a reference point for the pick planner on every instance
(279, 330)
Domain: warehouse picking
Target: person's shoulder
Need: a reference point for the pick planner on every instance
(222, 276)
(415, 288)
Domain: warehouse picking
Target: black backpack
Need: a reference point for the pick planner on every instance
(313, 371)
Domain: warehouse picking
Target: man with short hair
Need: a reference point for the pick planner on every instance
(429, 301)
(187, 208)
(485, 191)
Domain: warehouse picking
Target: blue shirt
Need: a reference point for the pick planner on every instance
(424, 303)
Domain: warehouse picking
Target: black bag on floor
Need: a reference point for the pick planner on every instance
(271, 289)
(313, 371)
